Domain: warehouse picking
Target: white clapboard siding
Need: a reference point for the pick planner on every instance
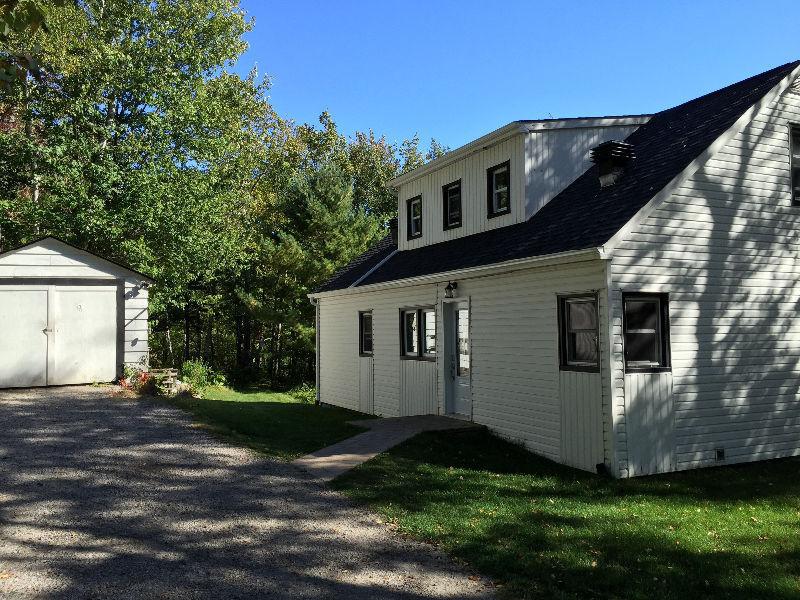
(518, 390)
(339, 360)
(366, 383)
(51, 259)
(543, 163)
(418, 388)
(649, 422)
(555, 158)
(725, 247)
(471, 170)
(516, 382)
(581, 419)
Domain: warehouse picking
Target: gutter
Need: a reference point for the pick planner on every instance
(493, 269)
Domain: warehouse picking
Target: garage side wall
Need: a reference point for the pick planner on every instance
(725, 248)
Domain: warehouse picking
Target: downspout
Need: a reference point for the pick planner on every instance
(315, 302)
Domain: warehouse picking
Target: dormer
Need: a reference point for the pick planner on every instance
(500, 179)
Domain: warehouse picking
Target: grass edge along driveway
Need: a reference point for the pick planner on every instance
(544, 530)
(273, 423)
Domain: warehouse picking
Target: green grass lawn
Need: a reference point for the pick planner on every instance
(543, 530)
(273, 423)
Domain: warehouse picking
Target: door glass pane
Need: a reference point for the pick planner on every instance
(462, 342)
(410, 328)
(429, 326)
(642, 348)
(641, 314)
(366, 332)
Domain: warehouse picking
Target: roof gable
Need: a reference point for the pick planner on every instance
(585, 215)
(40, 256)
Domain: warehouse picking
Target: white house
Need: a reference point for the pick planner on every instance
(68, 316)
(616, 293)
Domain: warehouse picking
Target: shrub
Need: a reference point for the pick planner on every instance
(198, 376)
(305, 393)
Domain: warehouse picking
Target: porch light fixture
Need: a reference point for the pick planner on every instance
(449, 291)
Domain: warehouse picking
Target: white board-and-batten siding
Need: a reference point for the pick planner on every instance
(50, 259)
(542, 163)
(518, 389)
(725, 247)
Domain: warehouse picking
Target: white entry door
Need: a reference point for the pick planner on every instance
(458, 360)
(57, 335)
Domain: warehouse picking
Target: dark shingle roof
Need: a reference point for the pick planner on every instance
(583, 215)
(359, 266)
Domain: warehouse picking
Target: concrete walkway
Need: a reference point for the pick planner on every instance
(330, 462)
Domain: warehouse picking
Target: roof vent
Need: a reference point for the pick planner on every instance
(612, 158)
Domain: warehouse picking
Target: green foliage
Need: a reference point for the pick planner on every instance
(548, 531)
(304, 393)
(20, 20)
(198, 376)
(139, 143)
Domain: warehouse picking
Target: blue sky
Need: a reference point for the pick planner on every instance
(455, 70)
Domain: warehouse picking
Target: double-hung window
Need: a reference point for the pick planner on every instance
(498, 190)
(451, 201)
(795, 149)
(578, 333)
(418, 333)
(414, 217)
(645, 326)
(365, 333)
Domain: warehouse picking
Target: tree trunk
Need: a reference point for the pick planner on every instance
(186, 331)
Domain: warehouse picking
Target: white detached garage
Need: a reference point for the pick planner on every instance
(68, 316)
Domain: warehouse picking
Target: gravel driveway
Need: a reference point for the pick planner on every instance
(103, 496)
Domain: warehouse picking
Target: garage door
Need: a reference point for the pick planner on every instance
(57, 335)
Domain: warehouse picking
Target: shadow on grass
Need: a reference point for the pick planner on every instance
(551, 531)
(272, 423)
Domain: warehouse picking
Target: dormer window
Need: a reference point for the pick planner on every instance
(451, 200)
(498, 187)
(414, 217)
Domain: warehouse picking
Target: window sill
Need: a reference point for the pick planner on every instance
(648, 370)
(449, 227)
(492, 215)
(420, 358)
(365, 354)
(414, 237)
